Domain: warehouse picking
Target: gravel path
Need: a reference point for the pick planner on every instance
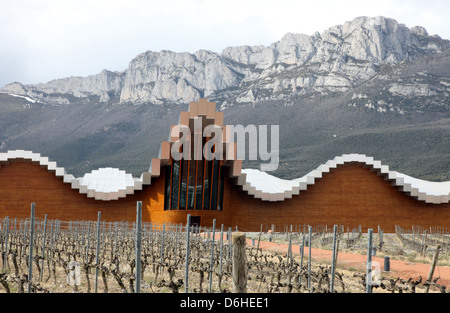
(402, 269)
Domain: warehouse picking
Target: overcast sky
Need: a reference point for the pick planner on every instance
(42, 40)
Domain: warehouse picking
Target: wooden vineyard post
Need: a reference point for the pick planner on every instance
(259, 239)
(380, 237)
(424, 245)
(239, 269)
(433, 266)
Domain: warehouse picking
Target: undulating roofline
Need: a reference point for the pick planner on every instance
(270, 188)
(102, 184)
(111, 183)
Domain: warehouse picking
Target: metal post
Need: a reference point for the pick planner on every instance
(87, 243)
(97, 252)
(76, 236)
(212, 255)
(333, 261)
(30, 259)
(309, 257)
(24, 237)
(289, 254)
(186, 273)
(302, 248)
(221, 247)
(5, 260)
(230, 250)
(176, 244)
(52, 232)
(369, 262)
(116, 229)
(43, 247)
(138, 246)
(162, 247)
(259, 239)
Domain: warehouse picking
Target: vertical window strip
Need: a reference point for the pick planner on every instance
(175, 183)
(197, 163)
(192, 172)
(184, 183)
(223, 171)
(208, 176)
(167, 187)
(194, 184)
(199, 185)
(205, 167)
(215, 180)
(191, 184)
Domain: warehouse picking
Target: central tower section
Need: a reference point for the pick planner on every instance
(197, 159)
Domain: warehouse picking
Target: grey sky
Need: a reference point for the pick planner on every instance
(42, 40)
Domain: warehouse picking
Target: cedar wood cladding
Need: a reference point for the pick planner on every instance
(350, 195)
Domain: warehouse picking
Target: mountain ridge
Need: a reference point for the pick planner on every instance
(369, 86)
(335, 60)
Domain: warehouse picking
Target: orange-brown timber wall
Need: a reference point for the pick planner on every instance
(350, 195)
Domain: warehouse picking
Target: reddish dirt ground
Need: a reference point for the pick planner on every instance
(402, 269)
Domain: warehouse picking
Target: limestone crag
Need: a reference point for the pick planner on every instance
(336, 60)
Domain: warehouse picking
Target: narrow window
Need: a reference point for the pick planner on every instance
(221, 187)
(199, 186)
(167, 188)
(215, 185)
(175, 183)
(207, 189)
(191, 186)
(184, 181)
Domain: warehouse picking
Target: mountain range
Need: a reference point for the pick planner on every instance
(371, 86)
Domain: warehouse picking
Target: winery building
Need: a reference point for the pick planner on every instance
(350, 190)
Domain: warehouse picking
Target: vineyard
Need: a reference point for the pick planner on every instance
(53, 256)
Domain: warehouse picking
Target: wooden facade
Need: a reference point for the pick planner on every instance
(350, 195)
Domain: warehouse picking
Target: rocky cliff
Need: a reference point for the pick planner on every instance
(336, 60)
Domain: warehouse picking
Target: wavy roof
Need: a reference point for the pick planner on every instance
(270, 188)
(102, 184)
(111, 183)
